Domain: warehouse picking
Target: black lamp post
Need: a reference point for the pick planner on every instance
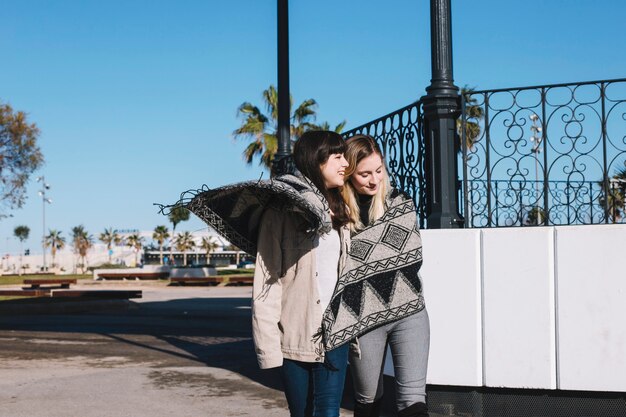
(282, 159)
(441, 109)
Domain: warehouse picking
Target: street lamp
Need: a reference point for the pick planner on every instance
(45, 187)
(536, 139)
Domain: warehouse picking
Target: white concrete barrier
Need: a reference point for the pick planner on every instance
(147, 269)
(204, 272)
(451, 279)
(592, 307)
(540, 307)
(518, 312)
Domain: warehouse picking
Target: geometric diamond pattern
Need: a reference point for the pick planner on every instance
(395, 236)
(360, 249)
(378, 285)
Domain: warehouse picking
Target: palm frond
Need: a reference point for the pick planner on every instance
(270, 145)
(270, 97)
(247, 108)
(251, 127)
(474, 112)
(340, 126)
(323, 126)
(305, 112)
(620, 173)
(253, 149)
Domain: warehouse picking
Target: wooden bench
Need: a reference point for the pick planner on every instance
(98, 294)
(37, 283)
(25, 293)
(133, 275)
(237, 279)
(195, 280)
(220, 280)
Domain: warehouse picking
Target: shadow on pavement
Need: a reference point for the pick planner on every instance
(215, 332)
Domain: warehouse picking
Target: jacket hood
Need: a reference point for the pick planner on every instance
(234, 211)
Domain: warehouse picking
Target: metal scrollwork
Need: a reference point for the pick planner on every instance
(543, 155)
(400, 137)
(547, 155)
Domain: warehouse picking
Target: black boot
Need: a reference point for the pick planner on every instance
(367, 409)
(378, 404)
(414, 410)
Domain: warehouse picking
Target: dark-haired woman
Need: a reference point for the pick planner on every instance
(379, 301)
(296, 274)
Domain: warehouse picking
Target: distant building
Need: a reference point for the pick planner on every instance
(198, 257)
(66, 261)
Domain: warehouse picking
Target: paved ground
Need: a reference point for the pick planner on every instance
(183, 351)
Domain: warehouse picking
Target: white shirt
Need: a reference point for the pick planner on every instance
(327, 262)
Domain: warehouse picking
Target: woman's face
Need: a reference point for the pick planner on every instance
(334, 170)
(368, 175)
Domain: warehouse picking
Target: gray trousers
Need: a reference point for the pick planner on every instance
(408, 340)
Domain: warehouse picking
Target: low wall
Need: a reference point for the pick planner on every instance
(145, 270)
(536, 307)
(193, 272)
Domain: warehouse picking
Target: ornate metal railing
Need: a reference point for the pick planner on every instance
(400, 137)
(551, 155)
(570, 203)
(543, 155)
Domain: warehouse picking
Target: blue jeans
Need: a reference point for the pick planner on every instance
(316, 389)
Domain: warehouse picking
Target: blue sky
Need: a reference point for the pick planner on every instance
(136, 100)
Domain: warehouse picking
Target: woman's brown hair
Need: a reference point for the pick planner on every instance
(310, 152)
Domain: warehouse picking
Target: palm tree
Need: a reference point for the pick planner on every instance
(262, 129)
(135, 242)
(177, 215)
(55, 242)
(184, 242)
(82, 242)
(209, 245)
(535, 216)
(160, 234)
(616, 195)
(473, 114)
(21, 232)
(616, 204)
(326, 126)
(110, 237)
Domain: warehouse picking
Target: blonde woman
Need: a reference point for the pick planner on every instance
(378, 301)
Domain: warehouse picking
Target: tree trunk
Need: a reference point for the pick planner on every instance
(19, 271)
(172, 245)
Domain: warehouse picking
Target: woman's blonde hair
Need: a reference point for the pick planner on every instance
(359, 148)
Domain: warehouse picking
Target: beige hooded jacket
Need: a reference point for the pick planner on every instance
(286, 310)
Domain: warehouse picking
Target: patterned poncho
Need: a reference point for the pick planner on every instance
(380, 283)
(234, 211)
